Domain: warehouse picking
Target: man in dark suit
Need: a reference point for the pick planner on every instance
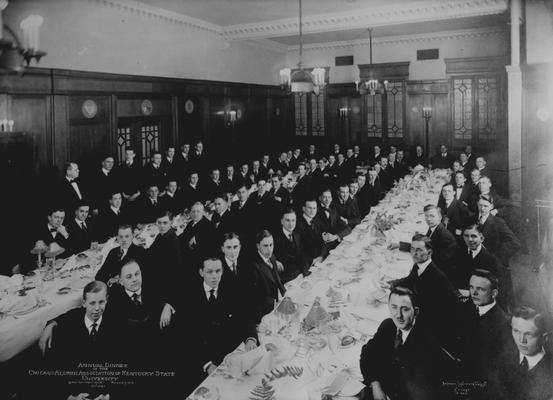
(526, 374)
(256, 172)
(310, 230)
(384, 175)
(351, 165)
(172, 199)
(492, 329)
(402, 166)
(102, 183)
(192, 192)
(498, 238)
(501, 207)
(165, 257)
(347, 207)
(471, 158)
(266, 166)
(70, 190)
(111, 217)
(282, 165)
(289, 248)
(150, 207)
(312, 152)
(196, 240)
(296, 160)
(481, 164)
(200, 161)
(222, 219)
(263, 211)
(320, 177)
(280, 194)
(183, 163)
(243, 177)
(362, 195)
(229, 181)
(472, 256)
(84, 335)
(54, 231)
(153, 172)
(374, 157)
(170, 164)
(443, 242)
(455, 215)
(214, 187)
(267, 286)
(334, 228)
(443, 160)
(463, 190)
(219, 322)
(402, 361)
(302, 189)
(392, 168)
(109, 272)
(236, 269)
(129, 174)
(419, 158)
(439, 300)
(242, 211)
(374, 191)
(80, 229)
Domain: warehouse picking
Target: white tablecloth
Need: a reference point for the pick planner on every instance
(348, 286)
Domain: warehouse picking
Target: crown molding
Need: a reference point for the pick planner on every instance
(267, 45)
(159, 14)
(402, 39)
(417, 11)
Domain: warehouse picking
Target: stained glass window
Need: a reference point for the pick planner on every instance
(462, 108)
(123, 142)
(395, 109)
(487, 107)
(374, 115)
(300, 102)
(317, 114)
(149, 137)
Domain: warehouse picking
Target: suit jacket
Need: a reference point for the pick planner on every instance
(282, 198)
(374, 192)
(444, 245)
(386, 179)
(514, 383)
(183, 166)
(455, 217)
(415, 160)
(113, 263)
(243, 217)
(438, 161)
(439, 305)
(466, 194)
(224, 224)
(301, 192)
(291, 255)
(332, 224)
(263, 211)
(128, 177)
(152, 175)
(147, 211)
(192, 195)
(174, 203)
(211, 190)
(203, 232)
(230, 184)
(67, 197)
(42, 233)
(80, 239)
(101, 187)
(219, 327)
(170, 168)
(499, 239)
(311, 237)
(412, 371)
(348, 210)
(465, 266)
(266, 286)
(108, 221)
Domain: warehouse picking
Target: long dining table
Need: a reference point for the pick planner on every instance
(310, 344)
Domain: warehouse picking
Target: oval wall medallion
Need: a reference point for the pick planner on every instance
(89, 108)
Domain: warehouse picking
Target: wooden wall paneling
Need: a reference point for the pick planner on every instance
(191, 118)
(175, 116)
(219, 134)
(60, 139)
(34, 81)
(131, 106)
(336, 125)
(355, 122)
(113, 125)
(32, 114)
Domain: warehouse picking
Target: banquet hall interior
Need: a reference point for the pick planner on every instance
(84, 83)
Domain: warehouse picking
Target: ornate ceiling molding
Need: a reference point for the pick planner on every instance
(159, 14)
(402, 39)
(417, 11)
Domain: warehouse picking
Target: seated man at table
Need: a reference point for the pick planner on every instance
(172, 199)
(525, 374)
(196, 240)
(112, 216)
(333, 227)
(289, 248)
(150, 207)
(80, 229)
(222, 219)
(267, 285)
(54, 231)
(443, 242)
(347, 207)
(402, 361)
(219, 321)
(311, 233)
(127, 250)
(84, 335)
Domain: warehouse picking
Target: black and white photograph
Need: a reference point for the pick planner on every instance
(276, 199)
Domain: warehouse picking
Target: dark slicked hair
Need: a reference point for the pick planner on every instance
(229, 236)
(262, 235)
(403, 291)
(202, 264)
(419, 237)
(484, 273)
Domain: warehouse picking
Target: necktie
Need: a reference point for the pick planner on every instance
(481, 220)
(53, 230)
(472, 253)
(233, 267)
(416, 270)
(121, 255)
(398, 340)
(212, 298)
(524, 364)
(429, 233)
(291, 238)
(136, 300)
(93, 331)
(83, 226)
(154, 202)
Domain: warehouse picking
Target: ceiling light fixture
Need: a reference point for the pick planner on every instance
(370, 84)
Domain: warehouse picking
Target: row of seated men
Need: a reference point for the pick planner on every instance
(435, 337)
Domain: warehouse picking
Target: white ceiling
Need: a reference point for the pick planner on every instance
(336, 20)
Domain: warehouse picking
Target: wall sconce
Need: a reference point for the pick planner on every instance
(427, 114)
(231, 115)
(344, 111)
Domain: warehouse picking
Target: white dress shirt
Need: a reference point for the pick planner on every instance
(474, 253)
(138, 292)
(208, 289)
(88, 323)
(230, 263)
(532, 360)
(484, 309)
(76, 188)
(423, 266)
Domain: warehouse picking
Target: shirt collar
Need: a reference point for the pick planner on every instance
(267, 260)
(79, 222)
(130, 294)
(88, 322)
(229, 263)
(423, 266)
(406, 332)
(286, 233)
(308, 219)
(116, 210)
(532, 360)
(105, 171)
(484, 309)
(484, 218)
(474, 253)
(207, 289)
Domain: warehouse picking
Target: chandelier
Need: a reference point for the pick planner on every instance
(14, 54)
(371, 84)
(301, 81)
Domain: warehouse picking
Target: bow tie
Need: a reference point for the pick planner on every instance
(52, 230)
(326, 209)
(71, 180)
